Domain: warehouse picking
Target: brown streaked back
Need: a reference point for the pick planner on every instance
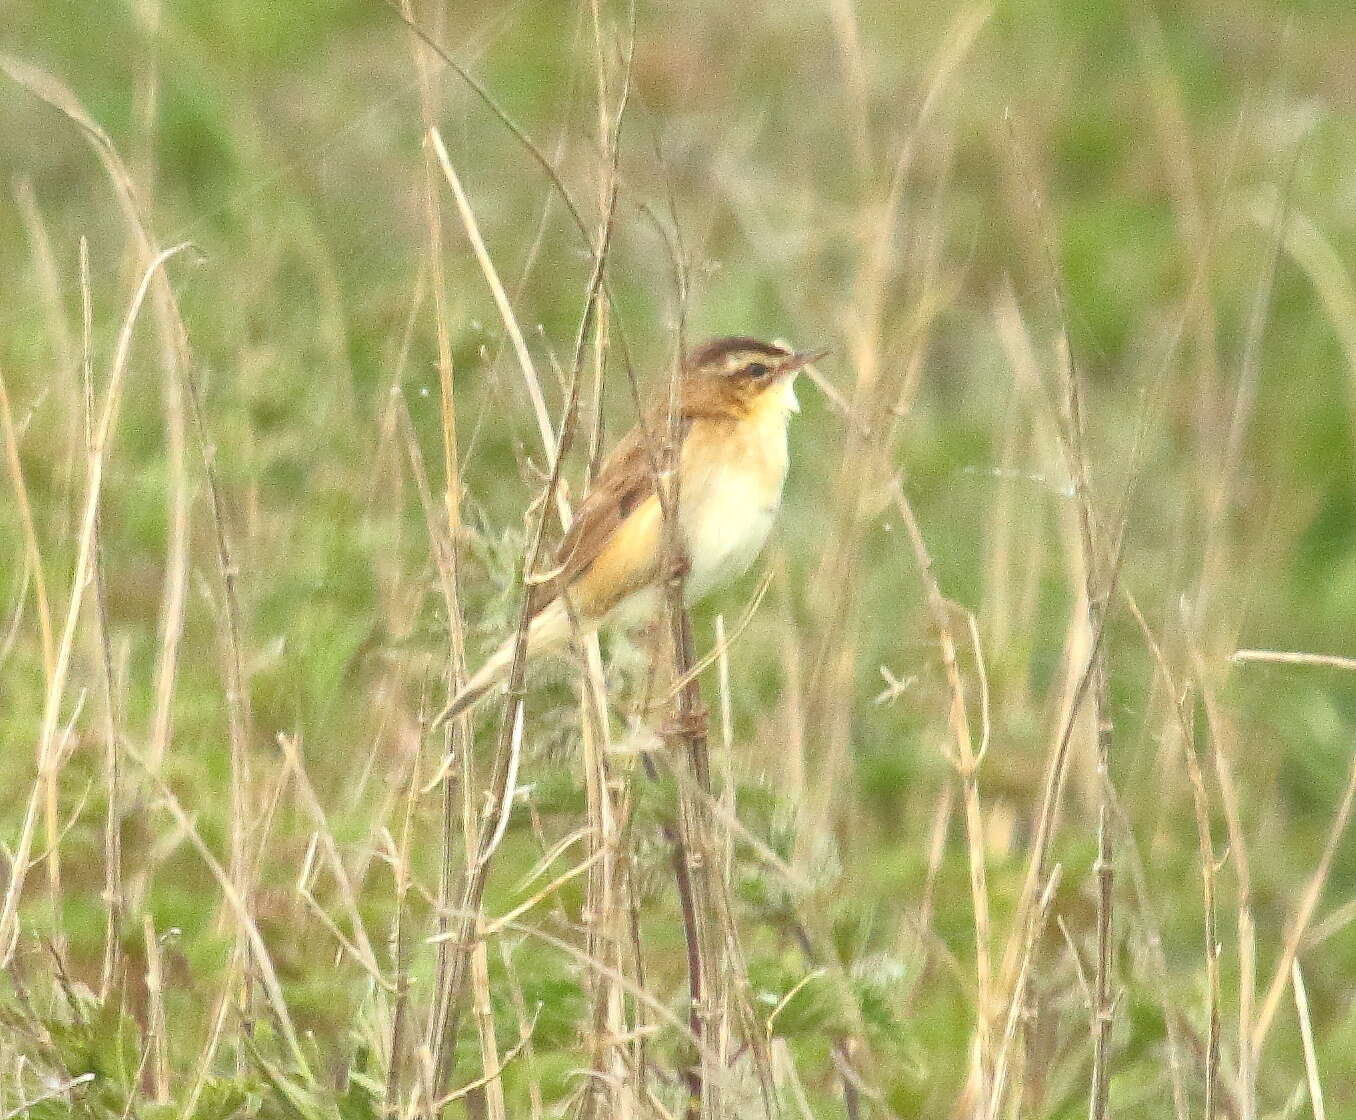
(622, 485)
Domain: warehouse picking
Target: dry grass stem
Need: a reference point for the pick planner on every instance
(1068, 505)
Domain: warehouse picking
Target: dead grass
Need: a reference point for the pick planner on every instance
(703, 875)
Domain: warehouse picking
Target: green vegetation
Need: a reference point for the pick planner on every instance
(942, 193)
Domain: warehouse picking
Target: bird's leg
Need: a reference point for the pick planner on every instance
(687, 723)
(677, 566)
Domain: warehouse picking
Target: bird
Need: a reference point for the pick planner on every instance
(735, 398)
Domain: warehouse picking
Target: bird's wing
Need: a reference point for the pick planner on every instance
(612, 546)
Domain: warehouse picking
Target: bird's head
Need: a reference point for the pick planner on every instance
(734, 377)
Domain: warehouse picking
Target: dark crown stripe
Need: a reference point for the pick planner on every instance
(716, 348)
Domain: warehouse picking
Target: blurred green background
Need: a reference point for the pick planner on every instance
(1188, 169)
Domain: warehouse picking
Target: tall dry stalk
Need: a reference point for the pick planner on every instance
(1097, 590)
(466, 914)
(607, 1092)
(445, 554)
(893, 226)
(51, 747)
(114, 904)
(966, 760)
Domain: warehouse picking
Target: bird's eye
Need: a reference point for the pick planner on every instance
(755, 369)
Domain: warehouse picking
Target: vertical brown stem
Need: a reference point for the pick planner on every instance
(465, 918)
(692, 863)
(155, 1012)
(113, 902)
(685, 730)
(687, 907)
(1096, 592)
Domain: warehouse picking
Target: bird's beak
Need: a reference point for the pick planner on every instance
(786, 374)
(801, 359)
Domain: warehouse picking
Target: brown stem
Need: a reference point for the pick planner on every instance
(473, 887)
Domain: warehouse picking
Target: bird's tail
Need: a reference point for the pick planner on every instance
(547, 633)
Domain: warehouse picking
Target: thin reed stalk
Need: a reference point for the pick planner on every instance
(51, 748)
(966, 761)
(114, 903)
(473, 886)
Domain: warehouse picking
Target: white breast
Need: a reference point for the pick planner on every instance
(724, 534)
(728, 502)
